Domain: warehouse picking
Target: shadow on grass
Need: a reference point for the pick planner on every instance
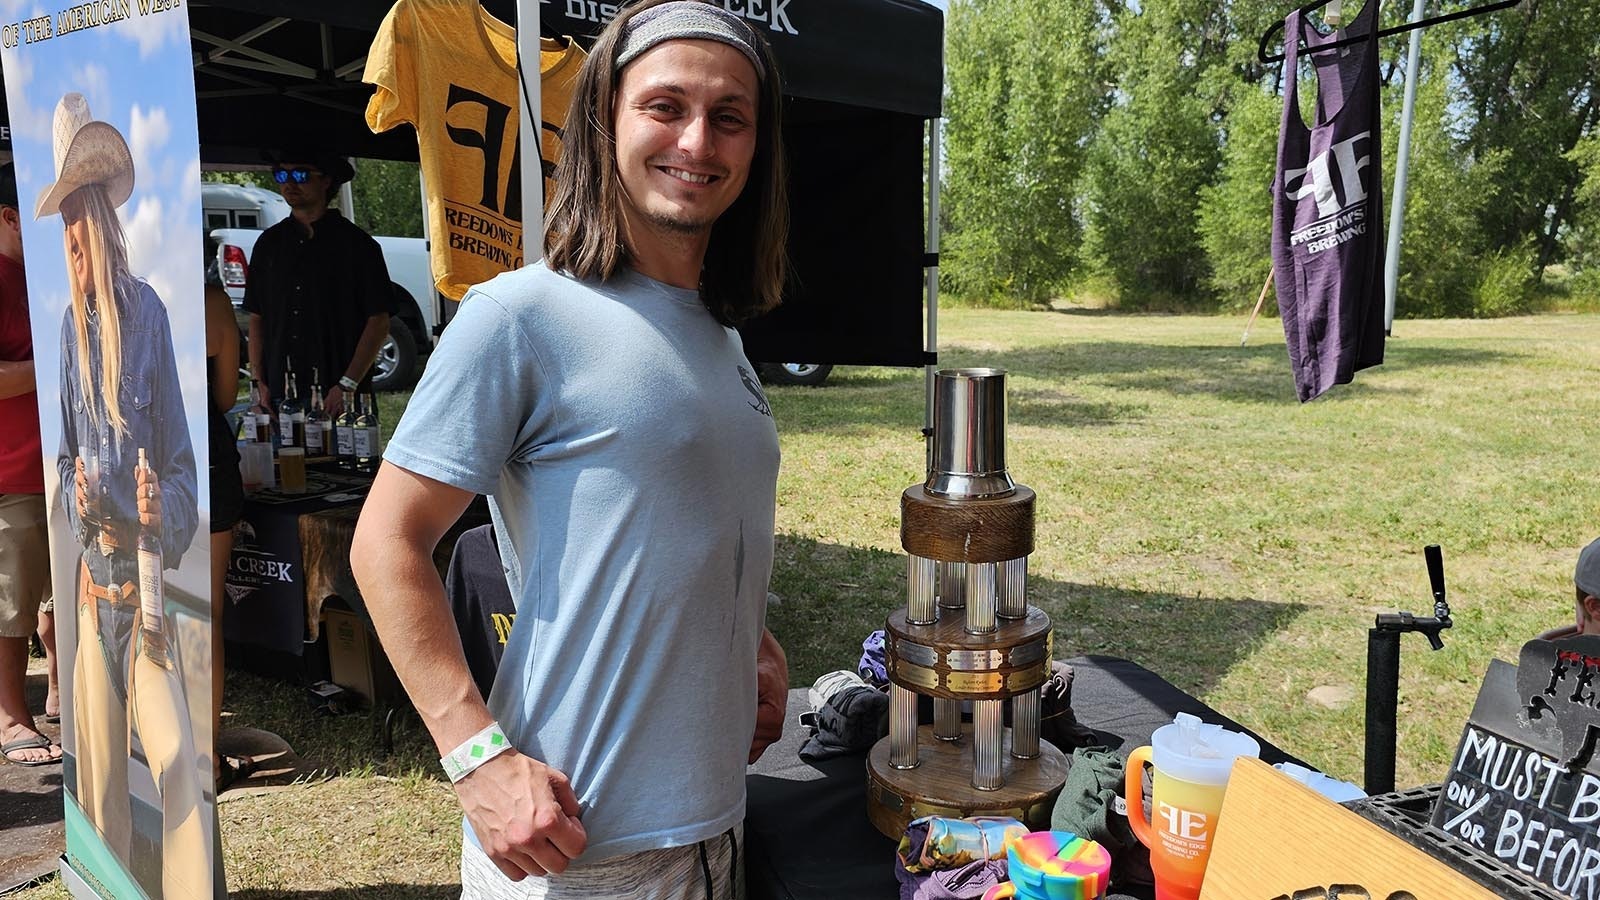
(834, 596)
(369, 892)
(1253, 374)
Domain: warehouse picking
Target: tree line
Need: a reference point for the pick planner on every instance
(1129, 145)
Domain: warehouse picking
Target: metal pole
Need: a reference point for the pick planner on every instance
(902, 727)
(529, 132)
(1383, 701)
(921, 589)
(987, 739)
(1397, 199)
(1025, 718)
(946, 719)
(981, 598)
(930, 275)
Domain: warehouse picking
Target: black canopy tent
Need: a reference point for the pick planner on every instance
(863, 76)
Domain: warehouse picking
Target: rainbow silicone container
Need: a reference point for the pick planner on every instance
(1054, 865)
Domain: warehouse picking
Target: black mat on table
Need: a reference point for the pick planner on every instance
(806, 831)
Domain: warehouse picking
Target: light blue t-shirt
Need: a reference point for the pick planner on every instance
(631, 463)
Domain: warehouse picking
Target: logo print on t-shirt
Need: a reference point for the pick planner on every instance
(754, 387)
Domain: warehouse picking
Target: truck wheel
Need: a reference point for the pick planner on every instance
(396, 365)
(809, 374)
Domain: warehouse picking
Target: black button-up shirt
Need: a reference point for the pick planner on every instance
(314, 295)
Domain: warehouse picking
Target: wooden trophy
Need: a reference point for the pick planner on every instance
(967, 633)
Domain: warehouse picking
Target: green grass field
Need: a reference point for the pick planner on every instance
(1192, 517)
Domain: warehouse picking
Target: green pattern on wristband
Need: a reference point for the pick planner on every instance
(477, 750)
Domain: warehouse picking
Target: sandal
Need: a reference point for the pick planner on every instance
(37, 742)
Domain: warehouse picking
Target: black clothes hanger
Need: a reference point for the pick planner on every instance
(1277, 27)
(548, 32)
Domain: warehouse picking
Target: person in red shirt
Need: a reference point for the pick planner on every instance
(24, 547)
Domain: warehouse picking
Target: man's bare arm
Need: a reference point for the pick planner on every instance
(257, 342)
(524, 813)
(372, 335)
(16, 378)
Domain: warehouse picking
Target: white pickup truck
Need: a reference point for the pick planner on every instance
(235, 215)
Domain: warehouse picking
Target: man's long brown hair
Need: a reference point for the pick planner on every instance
(746, 262)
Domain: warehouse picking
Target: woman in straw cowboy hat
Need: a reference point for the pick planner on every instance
(125, 450)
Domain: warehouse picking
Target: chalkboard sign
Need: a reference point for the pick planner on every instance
(1524, 787)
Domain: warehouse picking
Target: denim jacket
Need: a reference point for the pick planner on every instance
(152, 406)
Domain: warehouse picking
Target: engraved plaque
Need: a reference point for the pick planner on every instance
(1028, 654)
(916, 675)
(975, 682)
(974, 660)
(916, 653)
(1026, 679)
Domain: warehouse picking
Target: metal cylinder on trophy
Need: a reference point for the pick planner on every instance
(967, 637)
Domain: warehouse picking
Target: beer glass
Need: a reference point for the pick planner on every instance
(292, 470)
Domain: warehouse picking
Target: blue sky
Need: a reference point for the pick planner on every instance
(137, 75)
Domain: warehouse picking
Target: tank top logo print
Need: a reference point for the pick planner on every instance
(1334, 179)
(759, 404)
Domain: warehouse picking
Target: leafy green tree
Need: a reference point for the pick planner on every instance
(388, 197)
(1026, 87)
(1529, 79)
(1156, 150)
(1235, 215)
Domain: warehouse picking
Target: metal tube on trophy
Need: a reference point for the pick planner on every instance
(987, 735)
(902, 727)
(969, 435)
(1025, 725)
(981, 598)
(921, 591)
(1012, 589)
(952, 585)
(947, 719)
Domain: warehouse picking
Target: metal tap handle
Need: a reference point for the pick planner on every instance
(1435, 558)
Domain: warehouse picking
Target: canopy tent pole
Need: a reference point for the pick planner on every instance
(1397, 199)
(528, 129)
(930, 275)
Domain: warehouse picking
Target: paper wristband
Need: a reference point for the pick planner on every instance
(477, 750)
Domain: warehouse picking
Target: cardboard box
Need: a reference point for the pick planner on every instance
(351, 651)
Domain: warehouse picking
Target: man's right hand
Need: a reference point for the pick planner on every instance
(524, 814)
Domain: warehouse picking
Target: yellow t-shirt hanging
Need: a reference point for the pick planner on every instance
(448, 69)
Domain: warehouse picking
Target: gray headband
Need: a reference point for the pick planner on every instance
(692, 20)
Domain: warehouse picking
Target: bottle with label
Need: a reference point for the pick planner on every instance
(366, 436)
(317, 422)
(291, 413)
(152, 594)
(258, 417)
(344, 435)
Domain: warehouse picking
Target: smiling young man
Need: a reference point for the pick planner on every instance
(603, 401)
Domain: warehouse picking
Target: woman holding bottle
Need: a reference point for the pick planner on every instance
(129, 487)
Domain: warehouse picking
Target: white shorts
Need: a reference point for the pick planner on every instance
(710, 870)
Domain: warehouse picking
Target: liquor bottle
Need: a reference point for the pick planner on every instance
(344, 435)
(366, 437)
(152, 606)
(317, 422)
(258, 416)
(291, 413)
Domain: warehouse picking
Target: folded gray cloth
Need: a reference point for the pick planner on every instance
(1089, 807)
(850, 722)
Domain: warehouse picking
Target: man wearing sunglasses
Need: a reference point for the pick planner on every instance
(318, 292)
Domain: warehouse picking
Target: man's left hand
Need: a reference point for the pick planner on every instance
(148, 489)
(772, 694)
(333, 401)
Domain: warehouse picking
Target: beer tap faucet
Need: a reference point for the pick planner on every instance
(1383, 672)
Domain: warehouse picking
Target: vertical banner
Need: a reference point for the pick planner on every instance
(101, 99)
